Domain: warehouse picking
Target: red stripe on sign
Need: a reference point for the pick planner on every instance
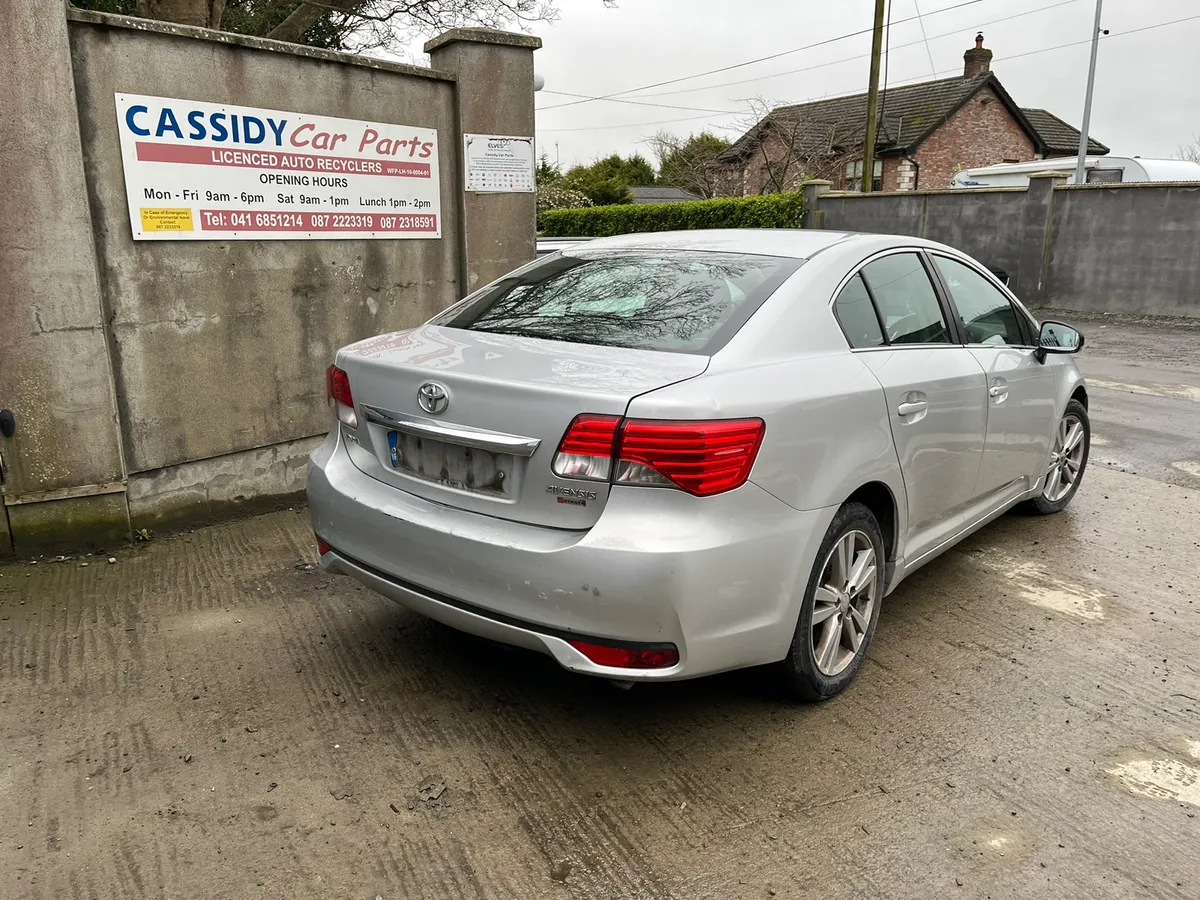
(148, 151)
(239, 220)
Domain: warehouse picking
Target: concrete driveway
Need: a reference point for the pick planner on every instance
(211, 717)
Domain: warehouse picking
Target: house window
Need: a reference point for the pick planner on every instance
(854, 172)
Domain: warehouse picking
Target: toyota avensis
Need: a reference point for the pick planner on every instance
(660, 456)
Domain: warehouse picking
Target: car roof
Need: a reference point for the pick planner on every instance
(791, 243)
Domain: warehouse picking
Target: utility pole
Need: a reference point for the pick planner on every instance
(1080, 174)
(868, 172)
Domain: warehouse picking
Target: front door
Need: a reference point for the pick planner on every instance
(1021, 413)
(934, 390)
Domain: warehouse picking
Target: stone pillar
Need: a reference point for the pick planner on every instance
(63, 465)
(1033, 260)
(812, 191)
(493, 95)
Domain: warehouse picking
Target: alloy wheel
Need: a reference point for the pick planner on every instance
(1066, 460)
(843, 602)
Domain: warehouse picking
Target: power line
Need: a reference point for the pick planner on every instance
(636, 102)
(749, 62)
(925, 37)
(901, 84)
(639, 124)
(835, 62)
(1108, 38)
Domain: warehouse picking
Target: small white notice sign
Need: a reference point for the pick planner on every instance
(499, 163)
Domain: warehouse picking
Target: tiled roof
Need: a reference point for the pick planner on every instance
(1058, 136)
(907, 115)
(661, 195)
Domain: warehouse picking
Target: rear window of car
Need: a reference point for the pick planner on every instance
(674, 301)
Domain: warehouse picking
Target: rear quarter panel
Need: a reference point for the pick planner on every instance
(827, 428)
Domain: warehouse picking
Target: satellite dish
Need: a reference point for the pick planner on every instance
(538, 82)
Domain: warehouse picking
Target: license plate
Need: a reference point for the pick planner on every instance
(452, 465)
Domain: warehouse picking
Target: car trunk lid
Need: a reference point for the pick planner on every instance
(496, 407)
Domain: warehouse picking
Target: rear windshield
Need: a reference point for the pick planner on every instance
(677, 301)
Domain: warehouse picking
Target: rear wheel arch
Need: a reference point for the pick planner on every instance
(878, 498)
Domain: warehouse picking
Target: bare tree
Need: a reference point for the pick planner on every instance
(692, 163)
(1189, 151)
(339, 24)
(785, 145)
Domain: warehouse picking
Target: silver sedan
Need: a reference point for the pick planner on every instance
(660, 456)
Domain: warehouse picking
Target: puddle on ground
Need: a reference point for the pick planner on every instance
(1180, 391)
(1163, 779)
(1188, 466)
(1035, 584)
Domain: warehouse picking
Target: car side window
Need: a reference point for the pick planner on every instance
(988, 315)
(907, 302)
(856, 314)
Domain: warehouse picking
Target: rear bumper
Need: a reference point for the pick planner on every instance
(721, 578)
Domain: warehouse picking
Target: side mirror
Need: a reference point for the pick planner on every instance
(1057, 337)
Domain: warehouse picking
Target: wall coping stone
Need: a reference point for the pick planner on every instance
(483, 36)
(838, 195)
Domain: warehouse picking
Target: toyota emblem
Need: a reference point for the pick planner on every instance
(433, 398)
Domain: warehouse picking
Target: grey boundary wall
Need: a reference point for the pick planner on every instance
(156, 382)
(1117, 248)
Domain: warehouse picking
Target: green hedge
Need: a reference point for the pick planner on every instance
(774, 211)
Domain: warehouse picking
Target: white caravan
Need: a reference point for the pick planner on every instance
(1100, 170)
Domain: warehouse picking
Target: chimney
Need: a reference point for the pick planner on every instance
(978, 60)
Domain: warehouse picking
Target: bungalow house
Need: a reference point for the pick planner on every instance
(926, 133)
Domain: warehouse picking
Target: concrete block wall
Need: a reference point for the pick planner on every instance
(1125, 248)
(159, 381)
(65, 460)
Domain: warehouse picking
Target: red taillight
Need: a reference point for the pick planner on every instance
(322, 547)
(337, 388)
(627, 658)
(700, 457)
(586, 450)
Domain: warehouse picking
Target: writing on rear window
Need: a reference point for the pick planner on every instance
(678, 301)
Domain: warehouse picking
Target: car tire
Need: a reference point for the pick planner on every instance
(828, 598)
(1067, 464)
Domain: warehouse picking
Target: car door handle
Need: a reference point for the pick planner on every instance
(997, 390)
(912, 407)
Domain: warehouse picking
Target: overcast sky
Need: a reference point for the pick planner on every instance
(1147, 93)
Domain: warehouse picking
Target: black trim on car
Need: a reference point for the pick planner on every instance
(874, 306)
(957, 327)
(500, 618)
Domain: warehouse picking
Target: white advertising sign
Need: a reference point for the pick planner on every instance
(499, 164)
(208, 171)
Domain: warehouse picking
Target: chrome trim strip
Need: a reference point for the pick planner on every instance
(462, 435)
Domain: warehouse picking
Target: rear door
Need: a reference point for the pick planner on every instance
(933, 386)
(1021, 413)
